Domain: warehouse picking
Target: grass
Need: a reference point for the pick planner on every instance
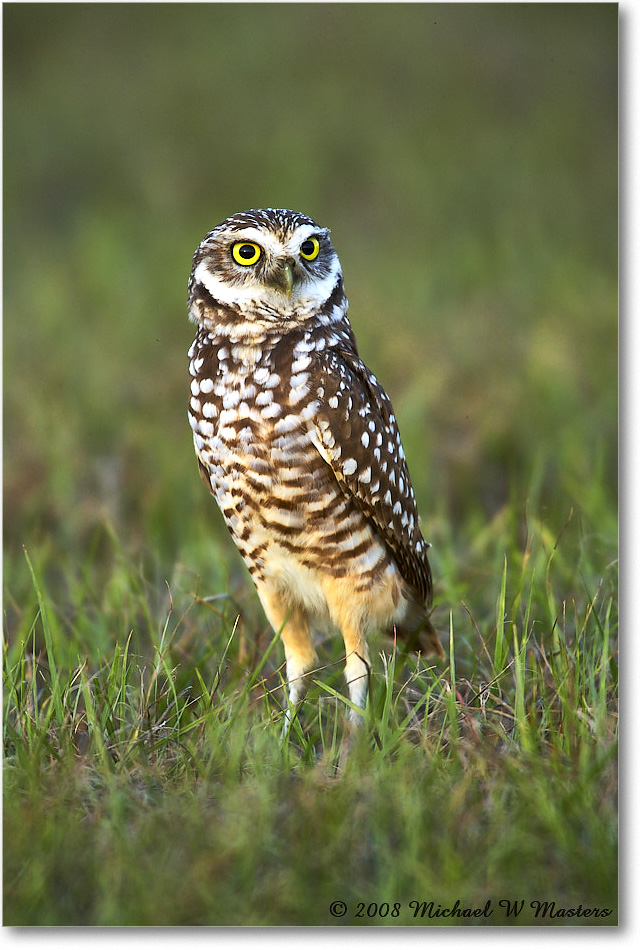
(140, 783)
(466, 160)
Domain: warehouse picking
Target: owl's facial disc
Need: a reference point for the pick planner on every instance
(291, 269)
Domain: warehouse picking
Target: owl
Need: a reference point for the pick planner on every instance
(298, 442)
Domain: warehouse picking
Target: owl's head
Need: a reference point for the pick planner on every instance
(267, 260)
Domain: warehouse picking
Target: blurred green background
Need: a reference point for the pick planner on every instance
(465, 158)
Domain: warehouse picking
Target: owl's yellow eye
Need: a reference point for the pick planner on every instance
(246, 252)
(310, 249)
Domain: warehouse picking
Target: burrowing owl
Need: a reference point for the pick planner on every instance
(297, 441)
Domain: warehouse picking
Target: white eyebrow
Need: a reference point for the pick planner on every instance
(269, 242)
(256, 236)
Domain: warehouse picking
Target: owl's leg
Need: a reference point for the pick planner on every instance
(357, 669)
(346, 611)
(300, 655)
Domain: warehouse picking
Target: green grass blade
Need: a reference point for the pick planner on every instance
(501, 648)
(51, 656)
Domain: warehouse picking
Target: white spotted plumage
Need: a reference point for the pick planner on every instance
(298, 442)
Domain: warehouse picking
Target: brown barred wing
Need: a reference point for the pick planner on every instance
(356, 432)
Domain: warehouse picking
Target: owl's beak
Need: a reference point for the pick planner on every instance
(284, 279)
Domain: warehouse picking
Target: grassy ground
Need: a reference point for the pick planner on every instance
(466, 160)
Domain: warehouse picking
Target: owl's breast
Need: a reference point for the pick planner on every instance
(254, 430)
(251, 413)
(248, 412)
